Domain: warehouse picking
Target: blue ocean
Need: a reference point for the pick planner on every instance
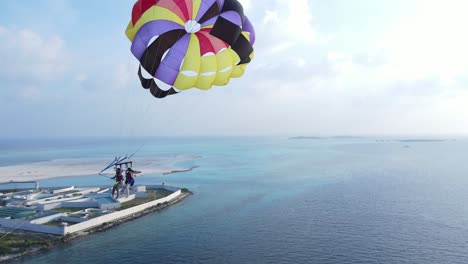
(279, 200)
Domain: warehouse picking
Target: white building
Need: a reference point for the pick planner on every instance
(63, 211)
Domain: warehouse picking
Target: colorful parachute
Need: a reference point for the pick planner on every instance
(190, 43)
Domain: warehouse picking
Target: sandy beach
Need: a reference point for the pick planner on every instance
(89, 167)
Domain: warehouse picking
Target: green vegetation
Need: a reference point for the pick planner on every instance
(185, 190)
(15, 244)
(152, 195)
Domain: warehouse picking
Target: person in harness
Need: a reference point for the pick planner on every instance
(118, 182)
(129, 180)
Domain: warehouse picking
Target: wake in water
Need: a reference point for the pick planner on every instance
(91, 167)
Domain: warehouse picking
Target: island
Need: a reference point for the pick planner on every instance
(32, 220)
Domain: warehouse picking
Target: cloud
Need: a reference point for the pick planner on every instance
(29, 57)
(429, 43)
(302, 81)
(286, 46)
(247, 4)
(285, 25)
(45, 16)
(124, 74)
(290, 21)
(369, 60)
(407, 76)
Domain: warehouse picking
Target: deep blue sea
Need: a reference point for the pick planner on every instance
(280, 200)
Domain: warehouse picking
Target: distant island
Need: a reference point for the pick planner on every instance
(331, 137)
(414, 140)
(422, 140)
(301, 137)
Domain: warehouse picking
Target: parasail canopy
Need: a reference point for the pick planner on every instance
(190, 43)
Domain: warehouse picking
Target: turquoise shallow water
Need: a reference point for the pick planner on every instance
(275, 200)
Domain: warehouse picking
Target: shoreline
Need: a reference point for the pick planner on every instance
(52, 242)
(87, 167)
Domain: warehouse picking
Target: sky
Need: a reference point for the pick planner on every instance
(335, 67)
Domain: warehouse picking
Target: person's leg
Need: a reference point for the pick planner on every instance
(130, 185)
(122, 189)
(117, 189)
(127, 190)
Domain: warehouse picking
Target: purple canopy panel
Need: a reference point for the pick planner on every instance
(148, 31)
(249, 28)
(205, 5)
(220, 4)
(233, 17)
(170, 65)
(210, 21)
